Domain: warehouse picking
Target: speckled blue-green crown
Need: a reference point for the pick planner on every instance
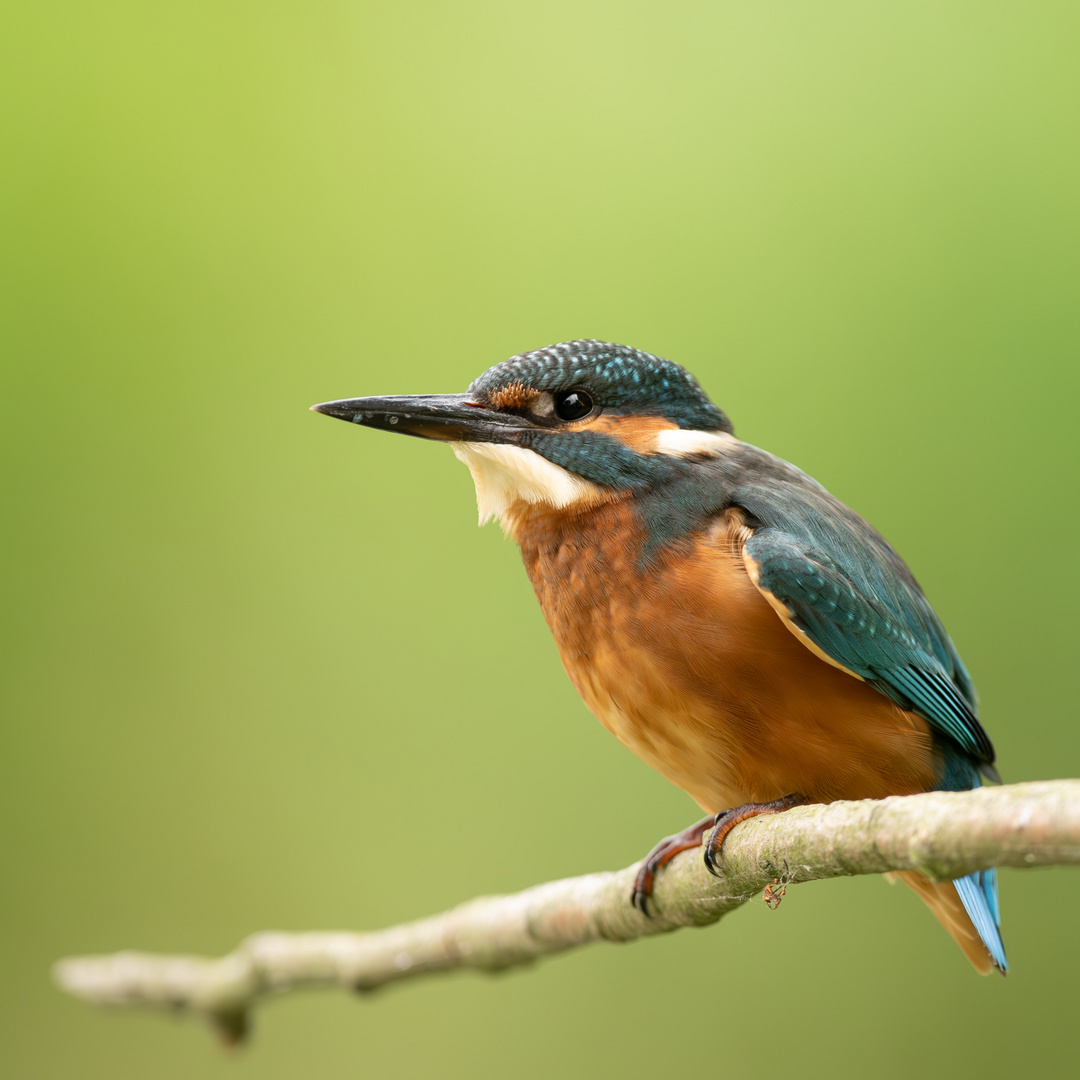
(618, 377)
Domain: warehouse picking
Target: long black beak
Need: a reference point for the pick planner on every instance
(447, 417)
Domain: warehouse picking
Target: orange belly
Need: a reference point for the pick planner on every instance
(689, 666)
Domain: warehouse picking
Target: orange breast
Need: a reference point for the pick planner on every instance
(690, 667)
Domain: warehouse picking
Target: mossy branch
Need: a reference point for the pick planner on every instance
(943, 834)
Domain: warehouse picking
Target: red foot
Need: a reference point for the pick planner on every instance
(726, 820)
(660, 856)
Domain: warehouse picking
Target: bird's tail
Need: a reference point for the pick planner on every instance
(968, 909)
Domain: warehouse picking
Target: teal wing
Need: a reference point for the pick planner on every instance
(870, 617)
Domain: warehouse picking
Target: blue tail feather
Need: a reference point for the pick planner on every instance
(978, 893)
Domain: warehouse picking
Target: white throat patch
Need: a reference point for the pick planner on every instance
(505, 475)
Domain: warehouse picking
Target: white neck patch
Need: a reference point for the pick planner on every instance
(505, 475)
(684, 442)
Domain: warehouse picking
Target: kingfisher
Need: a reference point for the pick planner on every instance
(736, 626)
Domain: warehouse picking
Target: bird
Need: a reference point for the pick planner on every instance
(720, 612)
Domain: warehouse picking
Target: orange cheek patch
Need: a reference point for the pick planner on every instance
(515, 396)
(638, 433)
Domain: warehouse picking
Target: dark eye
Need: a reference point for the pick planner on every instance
(572, 405)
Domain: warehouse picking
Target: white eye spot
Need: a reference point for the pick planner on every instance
(684, 442)
(392, 419)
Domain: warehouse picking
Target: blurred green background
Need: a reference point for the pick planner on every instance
(262, 671)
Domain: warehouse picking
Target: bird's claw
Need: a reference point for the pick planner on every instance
(641, 893)
(712, 855)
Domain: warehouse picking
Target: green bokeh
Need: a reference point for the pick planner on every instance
(262, 671)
